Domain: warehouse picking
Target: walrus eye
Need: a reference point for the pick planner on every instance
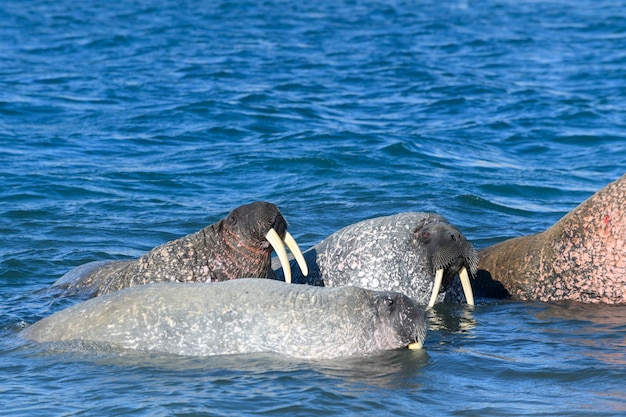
(232, 220)
(389, 302)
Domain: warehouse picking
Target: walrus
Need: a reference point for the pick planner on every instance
(582, 257)
(240, 316)
(418, 254)
(238, 246)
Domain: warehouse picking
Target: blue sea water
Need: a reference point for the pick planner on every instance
(127, 124)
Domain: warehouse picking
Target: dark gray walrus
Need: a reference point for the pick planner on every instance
(417, 254)
(237, 246)
(239, 316)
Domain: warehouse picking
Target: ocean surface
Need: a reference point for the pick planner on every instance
(127, 124)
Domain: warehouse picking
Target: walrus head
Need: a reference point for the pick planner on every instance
(405, 316)
(261, 227)
(449, 253)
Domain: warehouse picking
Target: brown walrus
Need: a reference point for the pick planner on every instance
(238, 246)
(582, 257)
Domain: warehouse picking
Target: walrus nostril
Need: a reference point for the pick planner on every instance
(453, 237)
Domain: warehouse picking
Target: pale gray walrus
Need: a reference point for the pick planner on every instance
(417, 254)
(240, 316)
(238, 246)
(582, 257)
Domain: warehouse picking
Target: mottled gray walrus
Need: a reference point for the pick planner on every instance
(237, 246)
(417, 254)
(582, 257)
(240, 316)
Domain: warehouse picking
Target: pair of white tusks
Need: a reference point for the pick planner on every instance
(465, 281)
(279, 248)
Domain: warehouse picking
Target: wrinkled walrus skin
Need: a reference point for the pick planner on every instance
(239, 316)
(582, 257)
(238, 246)
(417, 254)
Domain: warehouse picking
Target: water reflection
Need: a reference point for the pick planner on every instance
(390, 369)
(394, 369)
(452, 318)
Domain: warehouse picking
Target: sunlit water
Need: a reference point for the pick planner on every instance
(127, 124)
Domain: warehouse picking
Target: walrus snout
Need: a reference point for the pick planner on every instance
(265, 224)
(406, 317)
(280, 225)
(447, 247)
(448, 253)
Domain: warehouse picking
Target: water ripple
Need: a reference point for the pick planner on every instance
(127, 124)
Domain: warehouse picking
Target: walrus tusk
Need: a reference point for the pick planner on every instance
(467, 287)
(415, 346)
(279, 248)
(297, 253)
(436, 287)
(277, 244)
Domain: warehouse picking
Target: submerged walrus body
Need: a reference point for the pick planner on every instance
(417, 254)
(240, 316)
(582, 257)
(237, 246)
